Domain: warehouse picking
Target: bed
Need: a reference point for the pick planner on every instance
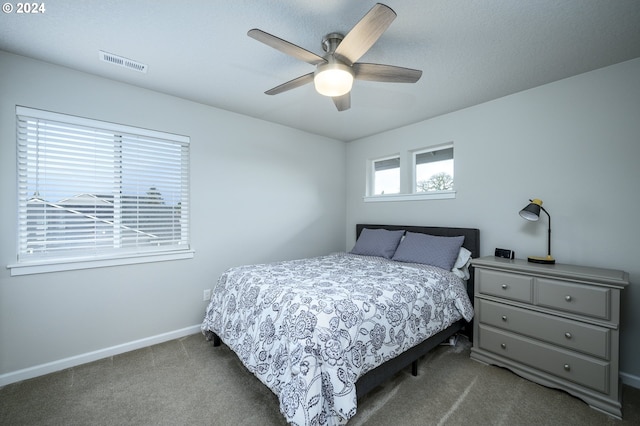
(322, 332)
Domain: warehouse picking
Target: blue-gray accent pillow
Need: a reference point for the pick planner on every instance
(377, 242)
(429, 249)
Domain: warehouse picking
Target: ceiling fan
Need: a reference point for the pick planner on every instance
(336, 70)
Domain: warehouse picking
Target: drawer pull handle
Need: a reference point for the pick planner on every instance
(567, 367)
(503, 345)
(567, 298)
(504, 286)
(504, 318)
(568, 335)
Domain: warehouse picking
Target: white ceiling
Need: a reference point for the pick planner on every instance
(470, 51)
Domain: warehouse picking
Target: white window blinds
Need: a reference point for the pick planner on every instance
(92, 189)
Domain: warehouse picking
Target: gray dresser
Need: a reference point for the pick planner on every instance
(557, 325)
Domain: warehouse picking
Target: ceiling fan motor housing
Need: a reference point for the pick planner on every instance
(331, 41)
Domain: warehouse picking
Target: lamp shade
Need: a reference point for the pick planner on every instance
(532, 211)
(333, 79)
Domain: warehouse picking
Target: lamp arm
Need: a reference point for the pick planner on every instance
(549, 232)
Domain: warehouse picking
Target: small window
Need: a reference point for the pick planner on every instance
(96, 190)
(386, 176)
(434, 170)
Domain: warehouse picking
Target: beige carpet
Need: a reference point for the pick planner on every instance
(189, 382)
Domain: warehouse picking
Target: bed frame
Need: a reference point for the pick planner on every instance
(384, 372)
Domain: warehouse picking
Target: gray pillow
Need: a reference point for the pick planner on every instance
(377, 242)
(429, 249)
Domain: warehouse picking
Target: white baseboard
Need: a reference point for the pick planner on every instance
(51, 367)
(630, 380)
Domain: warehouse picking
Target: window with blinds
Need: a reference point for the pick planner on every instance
(93, 189)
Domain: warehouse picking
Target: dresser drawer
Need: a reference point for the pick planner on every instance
(586, 338)
(586, 371)
(575, 298)
(504, 284)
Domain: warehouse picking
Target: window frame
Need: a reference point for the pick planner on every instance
(407, 178)
(113, 256)
(372, 175)
(414, 171)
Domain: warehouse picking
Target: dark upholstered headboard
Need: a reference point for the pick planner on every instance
(471, 235)
(471, 240)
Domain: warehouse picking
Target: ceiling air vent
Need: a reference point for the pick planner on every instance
(123, 62)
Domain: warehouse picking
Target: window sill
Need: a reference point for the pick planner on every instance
(441, 195)
(74, 264)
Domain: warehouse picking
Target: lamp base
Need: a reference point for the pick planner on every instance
(539, 259)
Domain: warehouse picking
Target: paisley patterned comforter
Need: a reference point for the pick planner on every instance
(309, 328)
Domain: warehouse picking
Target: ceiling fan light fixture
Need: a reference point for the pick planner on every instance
(333, 79)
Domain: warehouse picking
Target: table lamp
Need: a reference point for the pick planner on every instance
(532, 213)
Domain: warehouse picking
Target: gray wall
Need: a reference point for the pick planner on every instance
(574, 143)
(259, 192)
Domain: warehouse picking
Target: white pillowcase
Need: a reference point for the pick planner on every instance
(461, 267)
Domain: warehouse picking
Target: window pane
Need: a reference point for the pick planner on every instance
(434, 170)
(386, 176)
(92, 189)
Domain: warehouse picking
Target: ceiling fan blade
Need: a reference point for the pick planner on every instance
(385, 73)
(292, 84)
(286, 47)
(342, 102)
(365, 33)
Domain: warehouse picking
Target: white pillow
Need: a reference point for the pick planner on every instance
(461, 266)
